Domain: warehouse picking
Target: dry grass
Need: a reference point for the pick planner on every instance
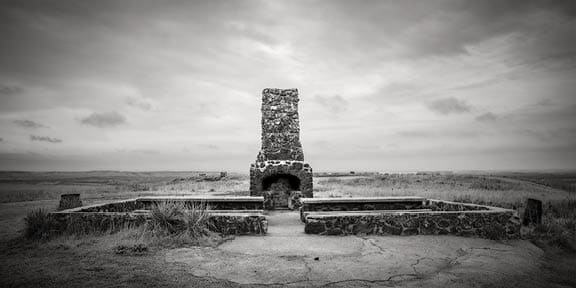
(457, 187)
(96, 187)
(176, 218)
(38, 225)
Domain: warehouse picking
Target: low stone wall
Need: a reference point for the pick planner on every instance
(117, 206)
(89, 222)
(493, 224)
(440, 205)
(238, 224)
(360, 204)
(231, 216)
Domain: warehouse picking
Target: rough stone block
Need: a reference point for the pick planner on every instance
(69, 201)
(532, 212)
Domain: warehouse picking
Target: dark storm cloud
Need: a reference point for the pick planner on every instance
(335, 104)
(449, 105)
(486, 117)
(44, 139)
(28, 124)
(105, 119)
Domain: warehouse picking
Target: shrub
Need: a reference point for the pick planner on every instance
(173, 218)
(38, 225)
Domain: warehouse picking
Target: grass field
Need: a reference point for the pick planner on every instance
(94, 258)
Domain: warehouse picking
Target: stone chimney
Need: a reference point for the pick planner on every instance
(280, 173)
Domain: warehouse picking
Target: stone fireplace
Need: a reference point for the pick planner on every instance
(280, 173)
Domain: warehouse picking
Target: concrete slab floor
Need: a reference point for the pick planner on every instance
(289, 257)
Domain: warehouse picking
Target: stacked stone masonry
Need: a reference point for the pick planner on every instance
(281, 157)
(231, 216)
(434, 218)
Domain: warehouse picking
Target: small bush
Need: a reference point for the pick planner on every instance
(174, 218)
(38, 225)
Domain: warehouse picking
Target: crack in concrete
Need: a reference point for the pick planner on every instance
(308, 269)
(368, 242)
(417, 262)
(387, 280)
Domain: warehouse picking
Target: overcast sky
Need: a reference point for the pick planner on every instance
(384, 85)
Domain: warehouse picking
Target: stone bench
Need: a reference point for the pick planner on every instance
(215, 202)
(361, 204)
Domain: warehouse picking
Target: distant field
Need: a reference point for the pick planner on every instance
(506, 189)
(559, 180)
(107, 185)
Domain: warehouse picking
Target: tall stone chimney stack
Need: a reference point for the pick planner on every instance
(280, 162)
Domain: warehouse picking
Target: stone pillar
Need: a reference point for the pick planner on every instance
(69, 201)
(281, 157)
(532, 212)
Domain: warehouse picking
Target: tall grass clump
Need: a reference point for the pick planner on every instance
(558, 226)
(38, 225)
(179, 219)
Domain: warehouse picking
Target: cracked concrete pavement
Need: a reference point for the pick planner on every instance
(288, 257)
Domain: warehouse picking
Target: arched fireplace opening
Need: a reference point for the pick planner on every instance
(280, 191)
(276, 181)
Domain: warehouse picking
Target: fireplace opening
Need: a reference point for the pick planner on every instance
(280, 191)
(281, 182)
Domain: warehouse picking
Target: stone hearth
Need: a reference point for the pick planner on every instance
(280, 173)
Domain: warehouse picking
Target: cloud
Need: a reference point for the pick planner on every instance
(545, 102)
(1, 139)
(28, 124)
(334, 104)
(138, 151)
(487, 117)
(209, 146)
(10, 90)
(140, 103)
(44, 139)
(416, 134)
(105, 119)
(449, 105)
